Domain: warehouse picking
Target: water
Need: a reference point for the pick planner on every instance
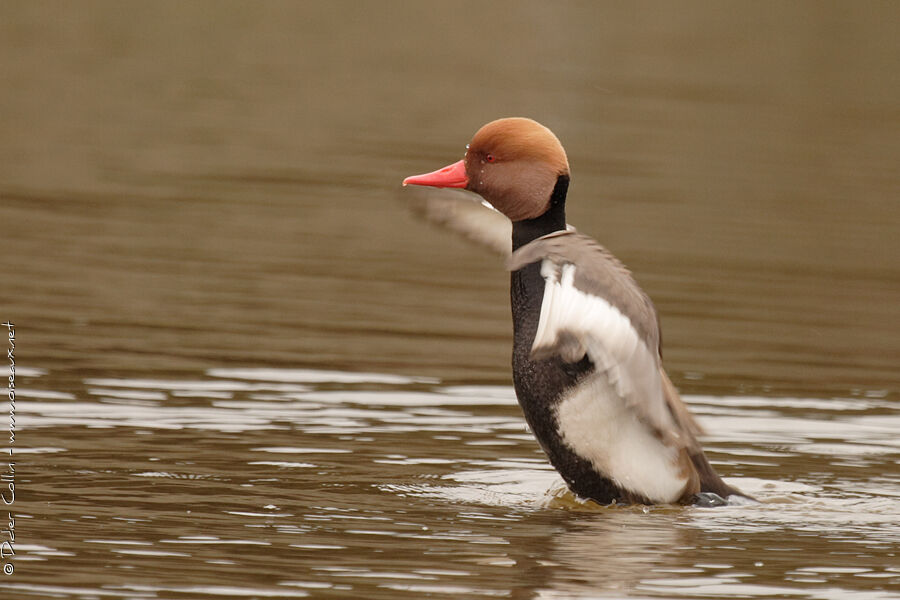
(245, 370)
(287, 483)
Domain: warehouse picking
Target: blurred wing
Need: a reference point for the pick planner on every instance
(466, 215)
(469, 216)
(676, 405)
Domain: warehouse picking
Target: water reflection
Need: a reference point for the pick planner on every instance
(384, 486)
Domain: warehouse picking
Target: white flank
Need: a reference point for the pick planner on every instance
(610, 418)
(594, 421)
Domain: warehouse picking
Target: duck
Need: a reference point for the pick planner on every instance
(586, 358)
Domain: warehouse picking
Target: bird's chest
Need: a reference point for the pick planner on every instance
(540, 384)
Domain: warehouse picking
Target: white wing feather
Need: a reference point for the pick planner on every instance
(609, 339)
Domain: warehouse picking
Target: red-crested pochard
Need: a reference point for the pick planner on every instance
(586, 342)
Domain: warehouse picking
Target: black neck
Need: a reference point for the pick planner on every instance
(554, 219)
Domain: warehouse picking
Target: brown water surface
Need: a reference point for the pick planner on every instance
(244, 369)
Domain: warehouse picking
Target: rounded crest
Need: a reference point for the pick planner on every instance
(520, 138)
(514, 164)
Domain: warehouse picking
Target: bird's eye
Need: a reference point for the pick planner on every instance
(490, 158)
